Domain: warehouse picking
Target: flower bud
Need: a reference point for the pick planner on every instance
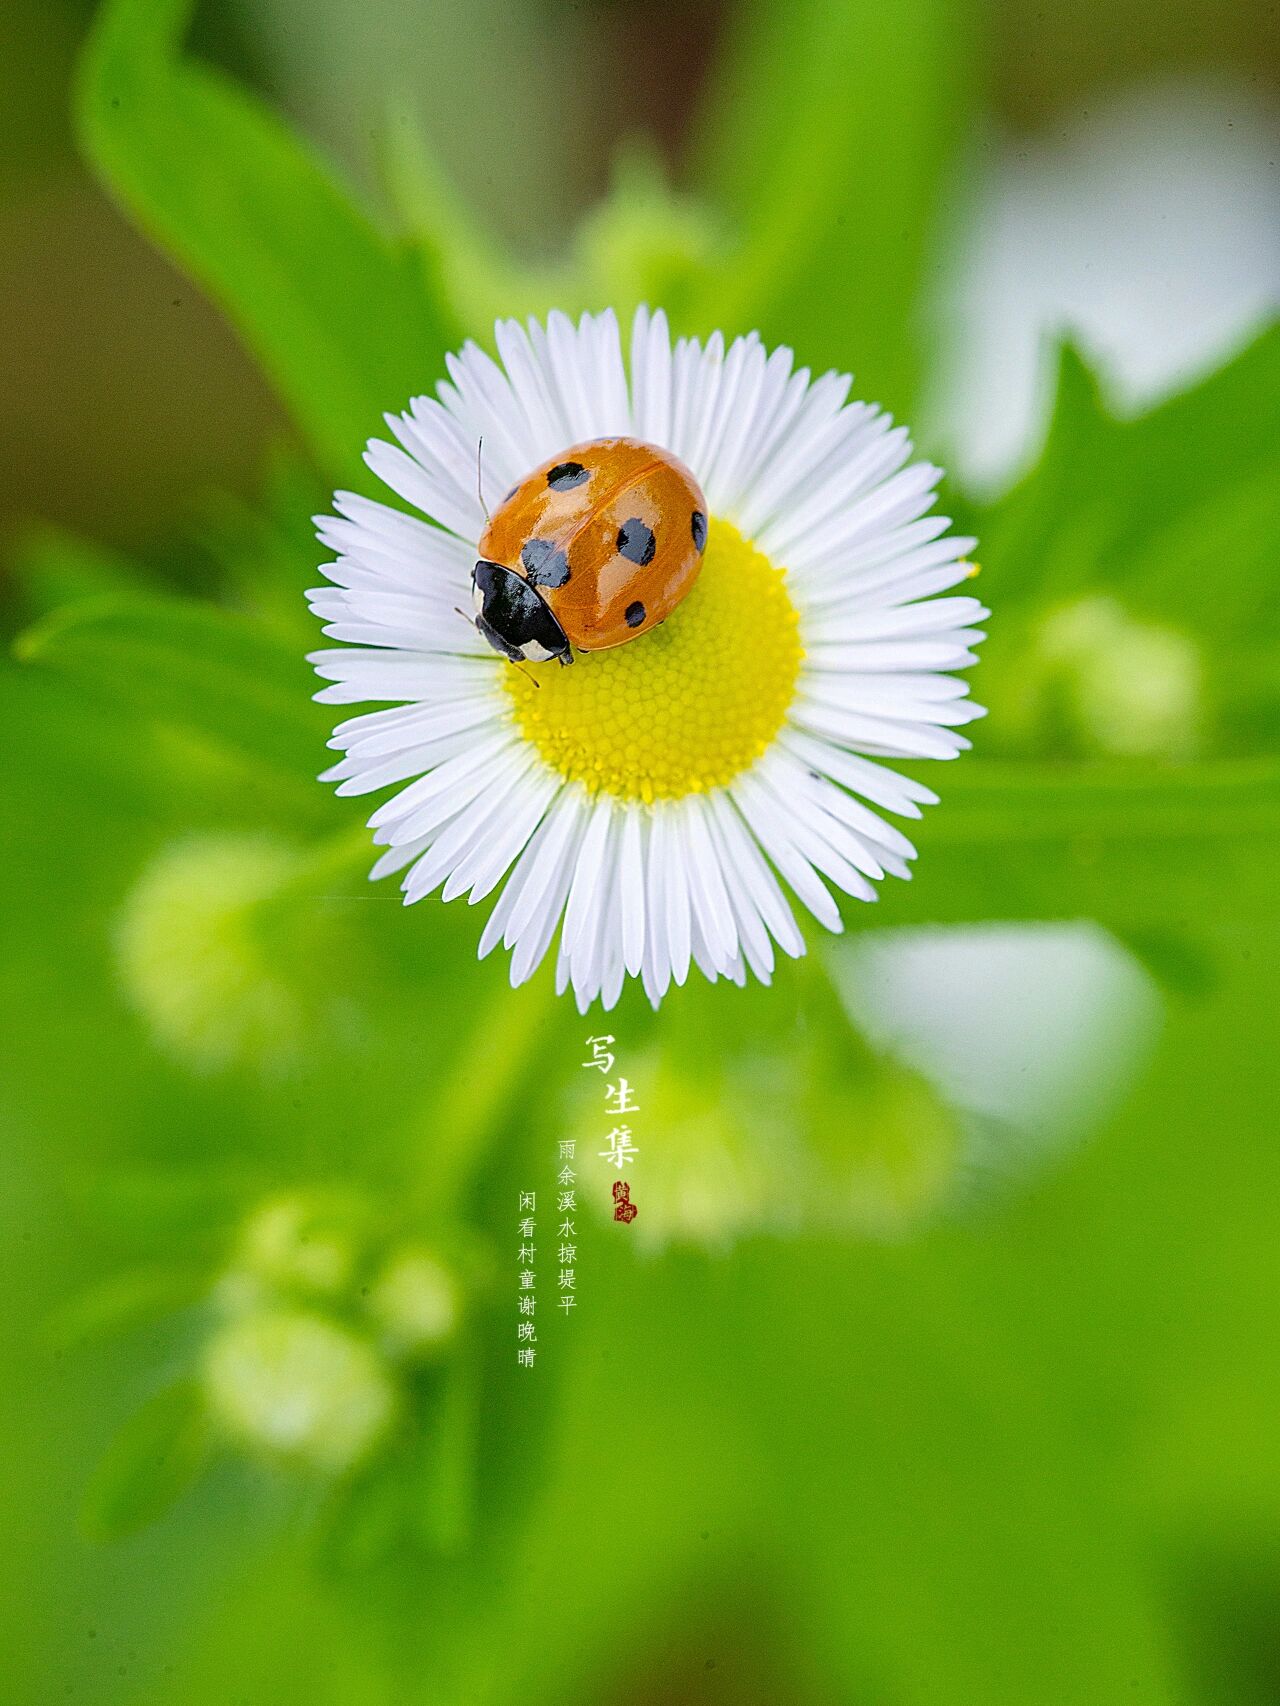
(1126, 688)
(415, 1303)
(290, 1384)
(899, 1160)
(192, 961)
(300, 1243)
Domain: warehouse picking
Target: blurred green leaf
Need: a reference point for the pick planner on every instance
(152, 1461)
(126, 1301)
(264, 551)
(52, 567)
(193, 1210)
(1130, 846)
(642, 242)
(831, 140)
(1178, 508)
(192, 666)
(480, 275)
(646, 242)
(447, 1491)
(1132, 573)
(340, 315)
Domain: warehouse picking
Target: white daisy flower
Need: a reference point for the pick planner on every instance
(651, 802)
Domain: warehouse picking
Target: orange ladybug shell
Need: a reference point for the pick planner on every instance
(611, 533)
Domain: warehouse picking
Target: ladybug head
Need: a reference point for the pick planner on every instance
(514, 617)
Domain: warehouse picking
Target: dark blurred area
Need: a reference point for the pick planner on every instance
(125, 390)
(127, 397)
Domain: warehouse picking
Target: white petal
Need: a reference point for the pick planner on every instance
(377, 733)
(879, 735)
(589, 872)
(484, 405)
(461, 837)
(669, 893)
(711, 905)
(456, 780)
(704, 398)
(782, 397)
(736, 411)
(631, 887)
(651, 377)
(611, 395)
(900, 794)
(816, 419)
(772, 835)
(753, 874)
(753, 937)
(938, 615)
(570, 373)
(584, 958)
(821, 844)
(542, 904)
(506, 844)
(555, 828)
(544, 430)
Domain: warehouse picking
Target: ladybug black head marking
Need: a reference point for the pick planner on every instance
(514, 618)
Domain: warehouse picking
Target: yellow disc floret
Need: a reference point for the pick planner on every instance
(684, 708)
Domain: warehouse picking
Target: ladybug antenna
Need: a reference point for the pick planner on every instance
(479, 479)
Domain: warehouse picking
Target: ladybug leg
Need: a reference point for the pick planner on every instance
(566, 658)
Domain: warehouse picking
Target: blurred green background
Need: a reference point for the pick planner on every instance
(942, 1363)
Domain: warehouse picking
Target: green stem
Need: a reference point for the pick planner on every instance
(493, 1065)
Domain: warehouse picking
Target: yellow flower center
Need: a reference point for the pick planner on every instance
(684, 708)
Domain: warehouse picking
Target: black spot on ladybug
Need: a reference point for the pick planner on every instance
(635, 614)
(566, 475)
(636, 542)
(545, 564)
(698, 527)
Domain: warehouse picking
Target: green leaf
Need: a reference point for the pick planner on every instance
(157, 1455)
(1132, 573)
(644, 242)
(641, 242)
(143, 1209)
(1137, 504)
(448, 1470)
(125, 1301)
(340, 315)
(52, 567)
(830, 139)
(1135, 848)
(480, 275)
(190, 666)
(265, 550)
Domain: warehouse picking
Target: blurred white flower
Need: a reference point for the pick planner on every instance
(1038, 1029)
(289, 1383)
(1148, 227)
(192, 960)
(298, 1242)
(1130, 689)
(415, 1302)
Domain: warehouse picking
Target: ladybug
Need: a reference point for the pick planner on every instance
(593, 549)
